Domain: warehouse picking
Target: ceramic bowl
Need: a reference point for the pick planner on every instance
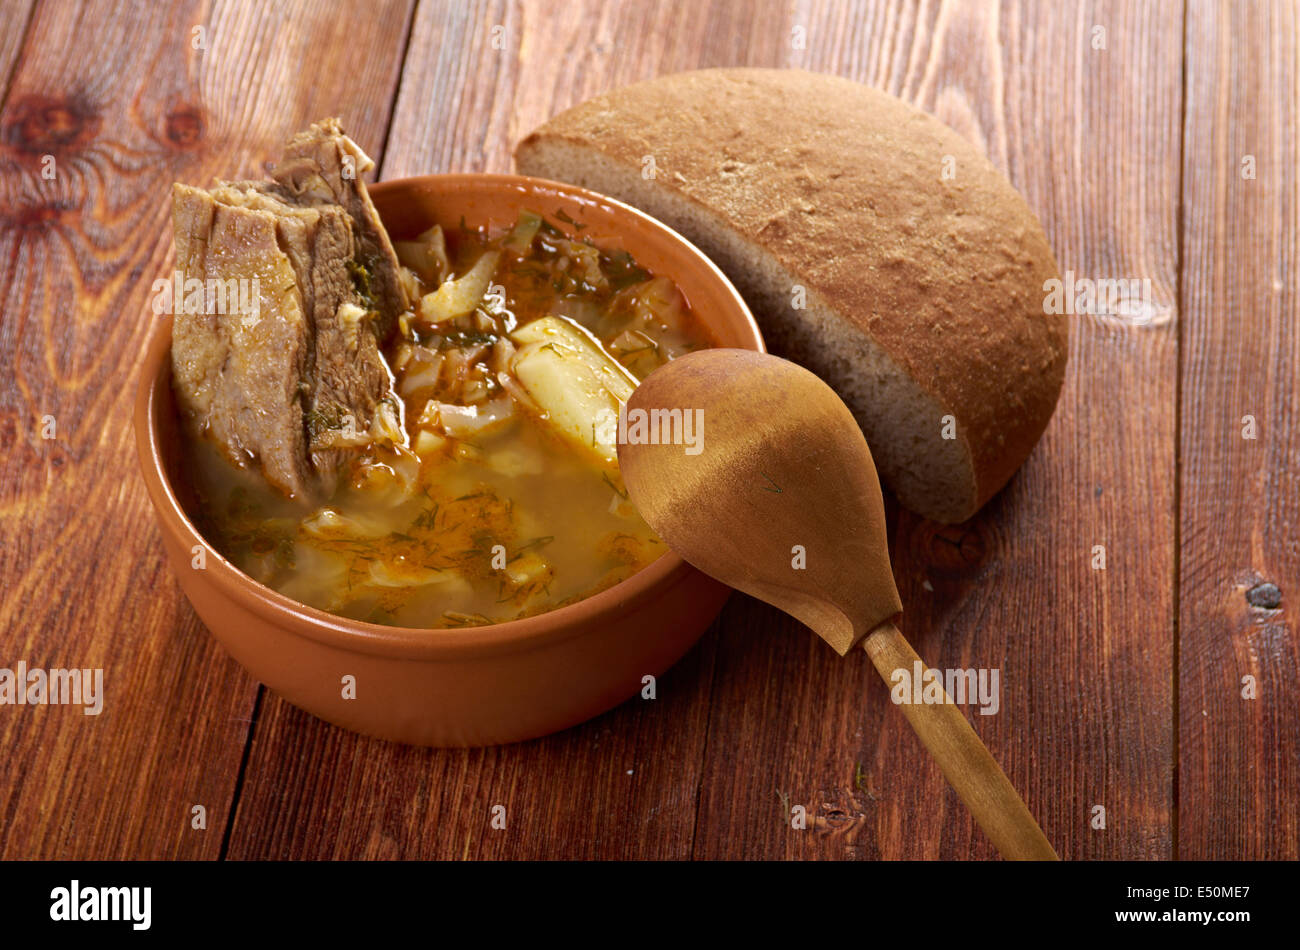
(476, 685)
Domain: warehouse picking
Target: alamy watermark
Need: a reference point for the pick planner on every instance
(1125, 298)
(78, 902)
(24, 686)
(684, 427)
(931, 687)
(238, 296)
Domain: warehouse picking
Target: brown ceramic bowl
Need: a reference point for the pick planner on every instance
(477, 685)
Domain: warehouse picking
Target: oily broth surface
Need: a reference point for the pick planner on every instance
(529, 494)
(426, 549)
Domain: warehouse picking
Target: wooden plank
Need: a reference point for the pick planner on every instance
(482, 75)
(605, 789)
(17, 21)
(125, 104)
(1239, 757)
(1091, 137)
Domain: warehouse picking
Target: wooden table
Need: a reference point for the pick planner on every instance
(1156, 140)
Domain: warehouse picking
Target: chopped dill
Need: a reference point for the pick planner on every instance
(455, 618)
(621, 492)
(361, 277)
(564, 216)
(463, 338)
(535, 543)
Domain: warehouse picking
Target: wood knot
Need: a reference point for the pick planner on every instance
(950, 549)
(43, 125)
(37, 218)
(1264, 595)
(185, 126)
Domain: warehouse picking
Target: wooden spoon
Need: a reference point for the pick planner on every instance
(775, 473)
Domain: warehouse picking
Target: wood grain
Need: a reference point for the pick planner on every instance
(622, 786)
(464, 102)
(125, 104)
(1238, 757)
(13, 30)
(1144, 454)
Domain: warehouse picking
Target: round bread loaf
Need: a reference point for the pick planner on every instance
(875, 245)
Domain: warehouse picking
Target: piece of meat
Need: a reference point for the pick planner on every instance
(298, 386)
(236, 376)
(323, 166)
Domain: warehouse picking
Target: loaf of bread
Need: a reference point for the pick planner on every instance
(875, 245)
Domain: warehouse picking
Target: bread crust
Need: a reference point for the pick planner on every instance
(843, 186)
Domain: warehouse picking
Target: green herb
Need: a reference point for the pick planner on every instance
(361, 282)
(427, 518)
(320, 421)
(535, 543)
(463, 338)
(621, 270)
(563, 216)
(621, 492)
(455, 618)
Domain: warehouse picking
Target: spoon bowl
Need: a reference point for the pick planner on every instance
(782, 477)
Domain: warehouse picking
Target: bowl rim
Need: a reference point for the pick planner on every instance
(427, 643)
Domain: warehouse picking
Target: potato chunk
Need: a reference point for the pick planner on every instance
(578, 387)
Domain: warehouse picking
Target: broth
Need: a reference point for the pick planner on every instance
(500, 506)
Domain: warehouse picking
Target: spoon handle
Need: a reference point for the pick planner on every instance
(963, 759)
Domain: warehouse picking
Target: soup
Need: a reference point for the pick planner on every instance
(500, 496)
